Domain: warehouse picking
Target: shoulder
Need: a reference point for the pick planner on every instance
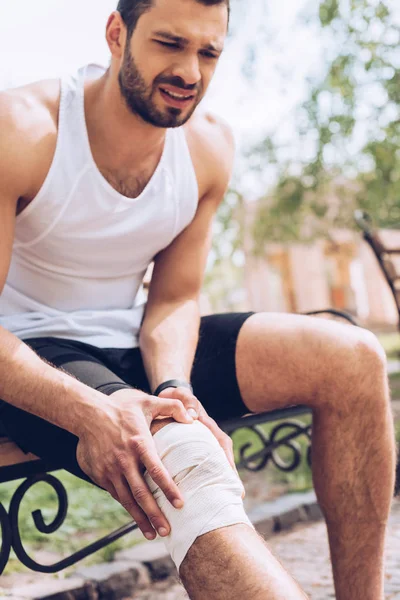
(30, 111)
(212, 146)
(28, 122)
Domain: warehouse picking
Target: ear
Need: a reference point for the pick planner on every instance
(116, 34)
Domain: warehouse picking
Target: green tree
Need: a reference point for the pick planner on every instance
(348, 130)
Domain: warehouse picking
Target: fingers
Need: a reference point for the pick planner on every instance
(147, 454)
(123, 495)
(188, 399)
(134, 494)
(136, 497)
(165, 407)
(131, 488)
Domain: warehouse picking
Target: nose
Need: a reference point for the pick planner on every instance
(188, 69)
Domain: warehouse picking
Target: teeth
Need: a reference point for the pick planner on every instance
(176, 96)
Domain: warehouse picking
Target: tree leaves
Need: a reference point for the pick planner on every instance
(328, 11)
(351, 119)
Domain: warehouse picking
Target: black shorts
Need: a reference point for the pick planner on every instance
(108, 370)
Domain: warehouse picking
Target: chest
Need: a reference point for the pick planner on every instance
(129, 182)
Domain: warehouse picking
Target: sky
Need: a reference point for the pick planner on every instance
(45, 38)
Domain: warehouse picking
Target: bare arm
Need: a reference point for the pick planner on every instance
(169, 333)
(170, 329)
(26, 381)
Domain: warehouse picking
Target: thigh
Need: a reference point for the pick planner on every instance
(54, 445)
(214, 376)
(289, 359)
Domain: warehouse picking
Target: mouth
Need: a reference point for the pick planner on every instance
(177, 100)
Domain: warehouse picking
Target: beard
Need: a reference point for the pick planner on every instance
(139, 97)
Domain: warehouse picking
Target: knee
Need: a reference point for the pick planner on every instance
(368, 359)
(211, 490)
(358, 368)
(190, 447)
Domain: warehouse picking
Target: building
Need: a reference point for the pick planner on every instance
(341, 273)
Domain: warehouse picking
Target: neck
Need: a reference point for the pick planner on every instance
(111, 121)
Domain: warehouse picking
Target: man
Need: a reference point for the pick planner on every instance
(100, 178)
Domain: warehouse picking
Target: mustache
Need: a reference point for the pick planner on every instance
(179, 83)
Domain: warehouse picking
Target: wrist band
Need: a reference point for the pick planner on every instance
(174, 383)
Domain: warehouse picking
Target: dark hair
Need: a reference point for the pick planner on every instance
(131, 10)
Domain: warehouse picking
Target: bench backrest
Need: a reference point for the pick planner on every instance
(385, 244)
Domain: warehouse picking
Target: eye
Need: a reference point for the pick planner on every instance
(167, 44)
(207, 54)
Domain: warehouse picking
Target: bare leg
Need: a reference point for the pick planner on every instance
(339, 371)
(233, 563)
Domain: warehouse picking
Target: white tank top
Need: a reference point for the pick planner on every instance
(81, 248)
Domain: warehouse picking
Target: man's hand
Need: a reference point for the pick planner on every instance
(115, 450)
(191, 403)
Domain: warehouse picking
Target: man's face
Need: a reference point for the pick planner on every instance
(170, 59)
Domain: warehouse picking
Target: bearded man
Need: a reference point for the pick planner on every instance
(102, 174)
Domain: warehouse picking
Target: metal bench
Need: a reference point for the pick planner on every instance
(386, 248)
(15, 464)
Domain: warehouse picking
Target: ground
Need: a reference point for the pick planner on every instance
(304, 552)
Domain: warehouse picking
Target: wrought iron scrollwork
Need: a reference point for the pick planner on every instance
(6, 539)
(283, 435)
(11, 537)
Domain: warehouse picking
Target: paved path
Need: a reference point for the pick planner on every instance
(304, 552)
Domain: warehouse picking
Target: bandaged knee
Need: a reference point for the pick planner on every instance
(211, 490)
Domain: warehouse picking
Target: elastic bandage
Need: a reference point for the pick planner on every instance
(211, 489)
